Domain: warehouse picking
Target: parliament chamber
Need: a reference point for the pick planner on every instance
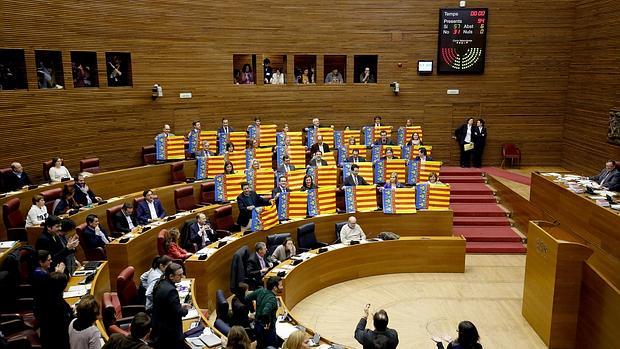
(444, 161)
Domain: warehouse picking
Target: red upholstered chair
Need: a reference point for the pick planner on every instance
(3, 173)
(14, 221)
(340, 201)
(16, 332)
(149, 155)
(113, 316)
(50, 197)
(184, 199)
(91, 254)
(207, 193)
(223, 221)
(512, 153)
(176, 173)
(128, 292)
(90, 165)
(109, 213)
(46, 170)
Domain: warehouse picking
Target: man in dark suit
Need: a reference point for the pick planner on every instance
(384, 140)
(282, 188)
(200, 232)
(355, 157)
(168, 311)
(377, 121)
(316, 124)
(354, 179)
(83, 194)
(124, 220)
(609, 177)
(464, 135)
(247, 201)
(317, 160)
(319, 145)
(139, 330)
(480, 139)
(258, 265)
(17, 178)
(286, 166)
(382, 337)
(93, 236)
(225, 129)
(51, 241)
(422, 156)
(149, 209)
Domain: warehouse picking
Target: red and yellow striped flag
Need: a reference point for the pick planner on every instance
(297, 205)
(261, 181)
(267, 135)
(175, 148)
(324, 176)
(237, 158)
(415, 150)
(439, 197)
(210, 136)
(377, 132)
(348, 134)
(215, 166)
(426, 167)
(399, 200)
(361, 198)
(238, 139)
(266, 219)
(263, 155)
(295, 178)
(297, 138)
(396, 165)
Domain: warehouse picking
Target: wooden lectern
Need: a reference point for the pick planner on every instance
(553, 272)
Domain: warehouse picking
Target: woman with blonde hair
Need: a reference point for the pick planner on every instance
(297, 340)
(238, 339)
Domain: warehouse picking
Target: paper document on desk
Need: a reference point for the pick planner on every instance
(75, 293)
(277, 270)
(7, 244)
(284, 329)
(191, 314)
(306, 255)
(551, 174)
(597, 197)
(615, 206)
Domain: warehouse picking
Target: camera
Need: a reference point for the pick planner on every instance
(395, 87)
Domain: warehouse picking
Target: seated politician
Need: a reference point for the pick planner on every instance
(281, 189)
(319, 146)
(383, 139)
(67, 203)
(83, 194)
(17, 178)
(355, 157)
(422, 156)
(286, 166)
(609, 177)
(351, 231)
(150, 209)
(93, 236)
(124, 220)
(258, 265)
(200, 232)
(317, 160)
(247, 201)
(354, 178)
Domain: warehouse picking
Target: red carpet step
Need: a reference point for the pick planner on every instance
(461, 179)
(472, 198)
(481, 221)
(469, 189)
(495, 247)
(477, 210)
(458, 171)
(487, 234)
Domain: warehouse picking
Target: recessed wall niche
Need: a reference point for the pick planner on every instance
(13, 70)
(84, 69)
(49, 69)
(118, 69)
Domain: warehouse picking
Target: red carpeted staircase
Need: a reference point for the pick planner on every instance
(477, 216)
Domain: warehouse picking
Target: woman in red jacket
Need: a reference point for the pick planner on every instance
(171, 245)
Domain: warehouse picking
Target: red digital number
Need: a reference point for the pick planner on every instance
(481, 13)
(473, 13)
(480, 20)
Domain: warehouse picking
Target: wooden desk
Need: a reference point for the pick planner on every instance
(5, 251)
(108, 184)
(598, 226)
(213, 273)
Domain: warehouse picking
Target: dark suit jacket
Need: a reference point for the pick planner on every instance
(281, 168)
(119, 341)
(243, 202)
(277, 190)
(12, 182)
(479, 137)
(80, 197)
(92, 240)
(197, 239)
(349, 181)
(359, 159)
(120, 222)
(167, 316)
(612, 181)
(315, 147)
(367, 337)
(388, 141)
(143, 214)
(63, 206)
(461, 132)
(428, 158)
(313, 163)
(220, 130)
(55, 246)
(253, 268)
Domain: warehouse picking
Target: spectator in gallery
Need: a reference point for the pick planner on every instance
(81, 75)
(115, 76)
(236, 76)
(45, 76)
(277, 78)
(415, 139)
(377, 121)
(229, 168)
(8, 77)
(37, 213)
(57, 172)
(247, 76)
(312, 75)
(306, 77)
(17, 178)
(334, 77)
(171, 245)
(468, 338)
(268, 71)
(393, 182)
(366, 77)
(308, 183)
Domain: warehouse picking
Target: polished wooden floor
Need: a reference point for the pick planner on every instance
(489, 294)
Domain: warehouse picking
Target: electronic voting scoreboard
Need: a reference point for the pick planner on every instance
(462, 40)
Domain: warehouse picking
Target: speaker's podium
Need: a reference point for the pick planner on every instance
(553, 271)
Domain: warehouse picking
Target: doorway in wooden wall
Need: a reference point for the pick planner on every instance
(460, 113)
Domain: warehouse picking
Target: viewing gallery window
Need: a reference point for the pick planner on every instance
(274, 69)
(13, 70)
(365, 69)
(335, 68)
(305, 69)
(49, 69)
(244, 69)
(118, 69)
(84, 69)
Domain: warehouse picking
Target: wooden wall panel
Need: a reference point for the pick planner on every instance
(187, 46)
(593, 86)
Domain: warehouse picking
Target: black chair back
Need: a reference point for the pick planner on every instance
(238, 267)
(273, 241)
(306, 239)
(338, 227)
(221, 306)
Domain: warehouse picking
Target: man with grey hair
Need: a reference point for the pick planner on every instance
(352, 231)
(17, 178)
(258, 265)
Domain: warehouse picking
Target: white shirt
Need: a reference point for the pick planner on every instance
(202, 232)
(277, 79)
(152, 209)
(468, 134)
(129, 221)
(56, 174)
(36, 216)
(99, 233)
(149, 279)
(347, 234)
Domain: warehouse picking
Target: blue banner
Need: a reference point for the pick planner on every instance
(311, 135)
(379, 174)
(401, 136)
(280, 136)
(252, 132)
(220, 189)
(222, 139)
(250, 176)
(368, 132)
(249, 156)
(160, 147)
(280, 151)
(313, 210)
(201, 168)
(413, 171)
(388, 201)
(193, 140)
(375, 153)
(349, 199)
(338, 141)
(342, 155)
(346, 171)
(421, 196)
(406, 152)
